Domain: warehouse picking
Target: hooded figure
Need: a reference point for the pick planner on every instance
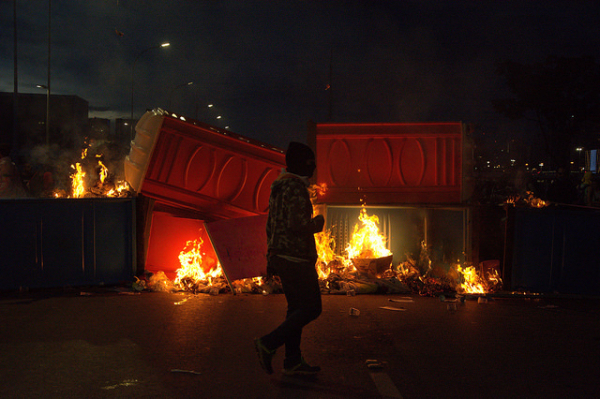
(292, 256)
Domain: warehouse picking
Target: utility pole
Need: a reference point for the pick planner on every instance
(14, 138)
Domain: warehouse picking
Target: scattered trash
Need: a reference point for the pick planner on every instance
(138, 285)
(482, 300)
(214, 291)
(160, 282)
(125, 383)
(185, 371)
(351, 292)
(393, 308)
(405, 300)
(373, 364)
(451, 306)
(354, 312)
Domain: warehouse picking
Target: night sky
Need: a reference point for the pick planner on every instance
(267, 65)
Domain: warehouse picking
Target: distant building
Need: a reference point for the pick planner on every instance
(68, 119)
(124, 128)
(100, 127)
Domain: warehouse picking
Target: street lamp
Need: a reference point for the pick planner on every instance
(175, 88)
(133, 74)
(47, 112)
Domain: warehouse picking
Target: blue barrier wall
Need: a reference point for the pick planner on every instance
(554, 250)
(66, 242)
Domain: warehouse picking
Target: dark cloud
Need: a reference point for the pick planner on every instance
(265, 64)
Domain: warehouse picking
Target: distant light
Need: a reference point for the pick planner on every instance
(579, 149)
(165, 44)
(219, 117)
(210, 105)
(541, 164)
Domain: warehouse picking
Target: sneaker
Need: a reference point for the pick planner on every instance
(265, 355)
(302, 368)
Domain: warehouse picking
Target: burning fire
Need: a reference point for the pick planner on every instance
(84, 183)
(191, 273)
(476, 283)
(338, 273)
(528, 199)
(366, 242)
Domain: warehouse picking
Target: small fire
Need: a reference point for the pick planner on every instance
(366, 241)
(476, 283)
(94, 182)
(78, 180)
(103, 172)
(326, 254)
(472, 284)
(192, 270)
(528, 199)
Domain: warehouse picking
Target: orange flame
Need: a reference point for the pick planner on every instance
(472, 282)
(78, 181)
(366, 241)
(191, 261)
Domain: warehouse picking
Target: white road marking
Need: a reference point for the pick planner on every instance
(385, 386)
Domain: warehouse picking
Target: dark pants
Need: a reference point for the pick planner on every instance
(301, 288)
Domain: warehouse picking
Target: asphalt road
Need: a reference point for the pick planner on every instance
(112, 344)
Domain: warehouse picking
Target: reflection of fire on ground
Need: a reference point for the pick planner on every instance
(365, 268)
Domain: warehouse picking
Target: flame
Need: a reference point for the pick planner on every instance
(472, 282)
(82, 183)
(190, 259)
(78, 181)
(528, 199)
(366, 241)
(120, 188)
(534, 201)
(475, 283)
(325, 244)
(103, 171)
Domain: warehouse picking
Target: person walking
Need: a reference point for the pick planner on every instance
(292, 256)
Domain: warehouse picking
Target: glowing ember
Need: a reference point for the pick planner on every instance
(366, 241)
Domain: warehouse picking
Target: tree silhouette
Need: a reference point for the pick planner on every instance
(562, 95)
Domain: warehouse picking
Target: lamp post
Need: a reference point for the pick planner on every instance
(175, 88)
(132, 76)
(47, 112)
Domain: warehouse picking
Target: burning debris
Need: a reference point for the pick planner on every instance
(528, 199)
(365, 268)
(90, 177)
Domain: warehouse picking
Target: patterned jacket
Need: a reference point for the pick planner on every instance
(290, 225)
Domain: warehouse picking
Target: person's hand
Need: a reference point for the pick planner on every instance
(319, 223)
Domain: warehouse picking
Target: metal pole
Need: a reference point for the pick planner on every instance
(16, 83)
(48, 84)
(132, 76)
